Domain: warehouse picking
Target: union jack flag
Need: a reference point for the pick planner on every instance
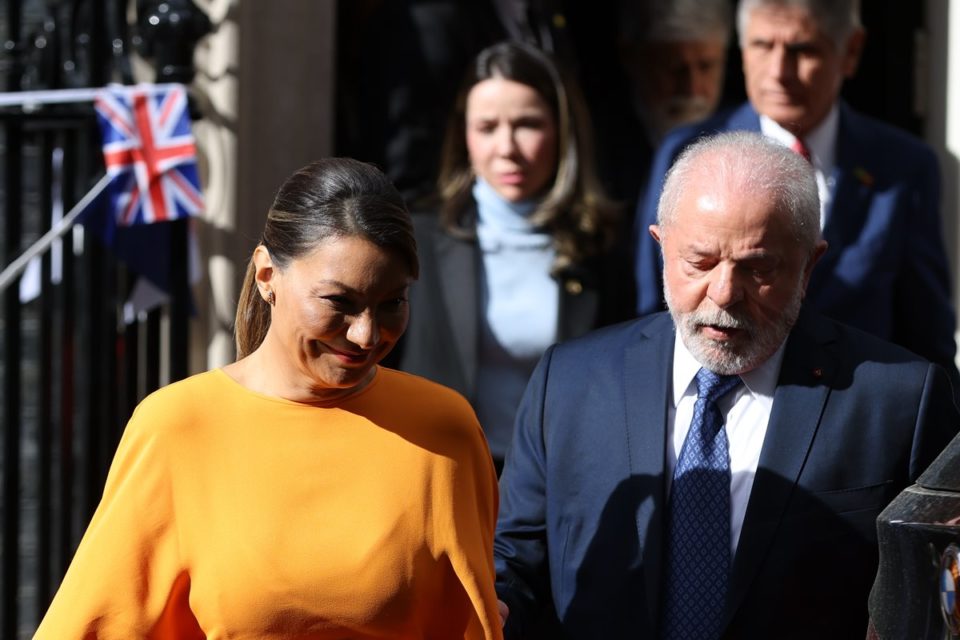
(149, 150)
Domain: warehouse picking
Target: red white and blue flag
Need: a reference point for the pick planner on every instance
(149, 151)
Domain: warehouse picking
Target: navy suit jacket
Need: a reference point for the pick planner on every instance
(854, 421)
(886, 269)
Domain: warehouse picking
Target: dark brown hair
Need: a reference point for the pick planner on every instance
(333, 197)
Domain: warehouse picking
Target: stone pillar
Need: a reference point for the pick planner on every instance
(265, 85)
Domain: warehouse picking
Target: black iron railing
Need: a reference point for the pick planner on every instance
(72, 368)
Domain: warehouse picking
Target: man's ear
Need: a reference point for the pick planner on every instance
(655, 232)
(853, 50)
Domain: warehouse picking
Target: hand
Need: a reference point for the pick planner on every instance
(504, 611)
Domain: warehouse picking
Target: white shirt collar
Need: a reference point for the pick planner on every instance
(821, 140)
(761, 381)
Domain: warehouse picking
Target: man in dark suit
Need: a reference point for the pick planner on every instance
(636, 504)
(886, 270)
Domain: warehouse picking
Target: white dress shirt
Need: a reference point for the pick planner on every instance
(822, 143)
(746, 413)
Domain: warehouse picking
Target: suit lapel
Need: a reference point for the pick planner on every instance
(802, 390)
(850, 201)
(744, 118)
(458, 267)
(646, 398)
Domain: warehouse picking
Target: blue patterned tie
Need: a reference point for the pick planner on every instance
(698, 526)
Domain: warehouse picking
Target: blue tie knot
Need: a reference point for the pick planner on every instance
(713, 386)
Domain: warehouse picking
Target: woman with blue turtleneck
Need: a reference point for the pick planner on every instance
(523, 252)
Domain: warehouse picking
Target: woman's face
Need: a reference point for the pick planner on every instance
(338, 311)
(511, 138)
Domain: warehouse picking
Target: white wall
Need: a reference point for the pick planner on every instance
(942, 91)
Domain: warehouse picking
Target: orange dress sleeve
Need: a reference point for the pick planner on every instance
(472, 513)
(126, 580)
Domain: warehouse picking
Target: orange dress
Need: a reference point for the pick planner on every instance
(230, 514)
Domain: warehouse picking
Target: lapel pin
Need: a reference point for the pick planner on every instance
(574, 287)
(817, 373)
(864, 176)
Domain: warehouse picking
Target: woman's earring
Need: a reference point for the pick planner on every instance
(271, 298)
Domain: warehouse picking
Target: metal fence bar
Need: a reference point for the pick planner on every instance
(63, 501)
(44, 437)
(12, 371)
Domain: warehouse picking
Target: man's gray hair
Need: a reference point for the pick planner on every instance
(752, 163)
(836, 18)
(644, 21)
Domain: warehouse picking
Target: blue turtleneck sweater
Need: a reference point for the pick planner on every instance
(519, 302)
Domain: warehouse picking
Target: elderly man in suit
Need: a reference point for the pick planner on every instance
(673, 55)
(886, 270)
(715, 471)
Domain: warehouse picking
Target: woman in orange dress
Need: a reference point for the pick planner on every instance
(302, 491)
